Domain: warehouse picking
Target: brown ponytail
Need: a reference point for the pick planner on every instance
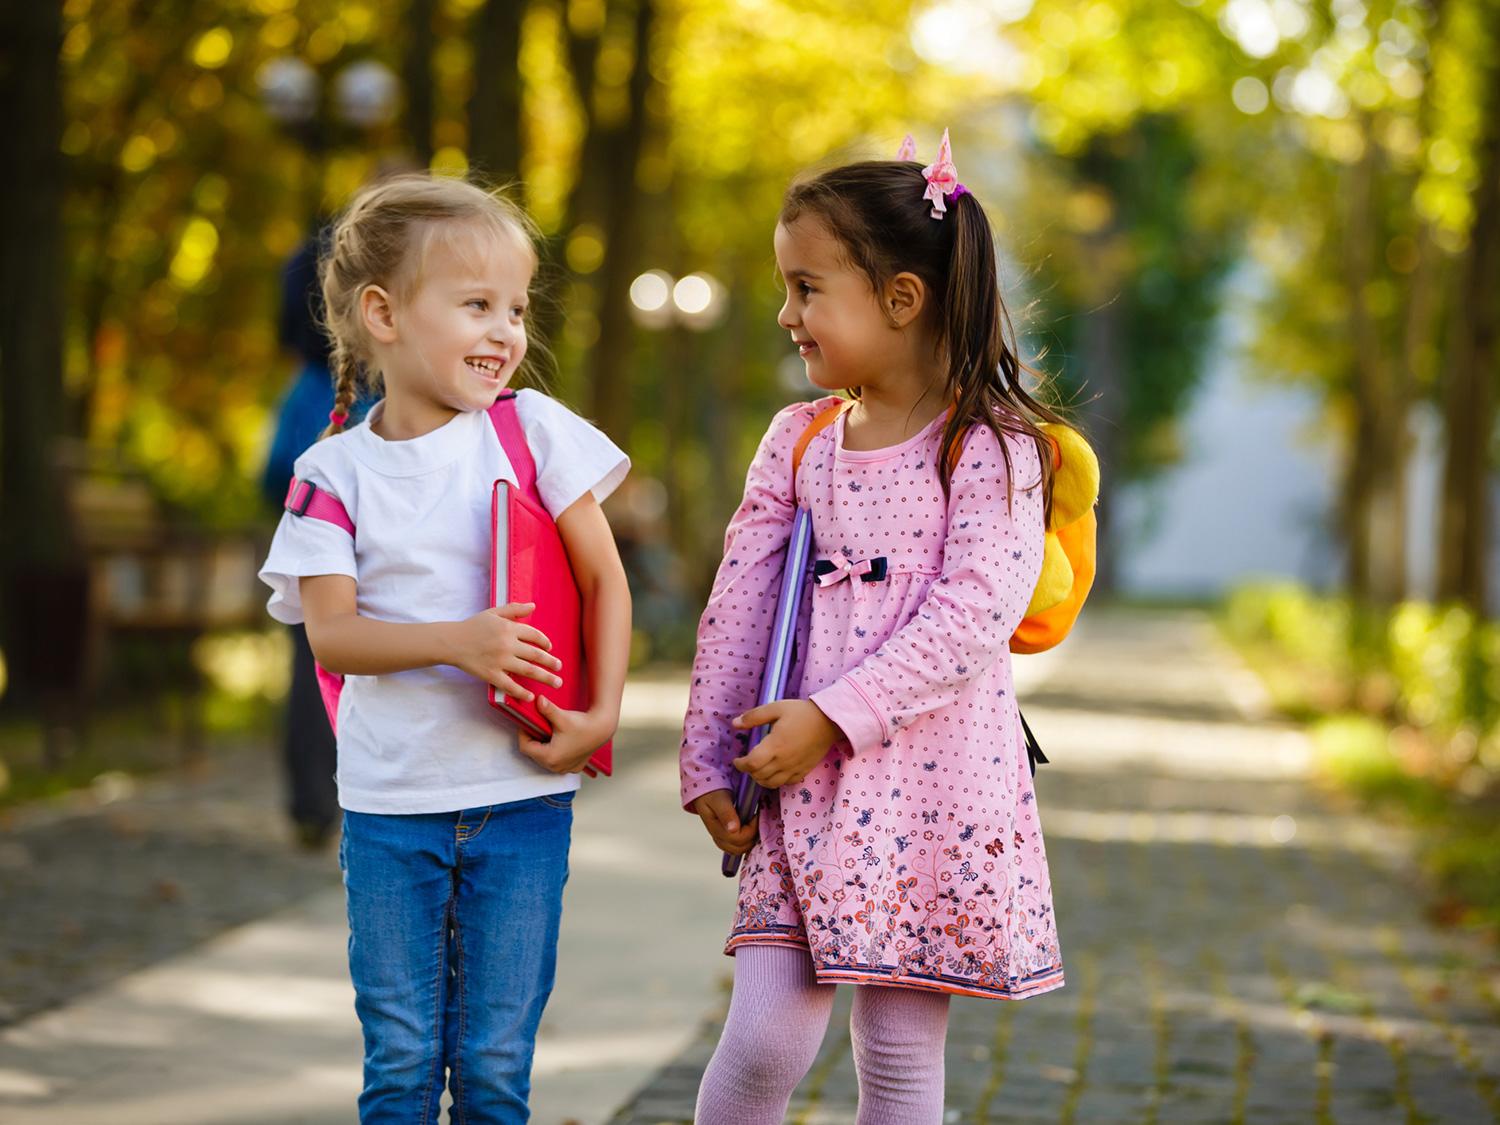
(876, 211)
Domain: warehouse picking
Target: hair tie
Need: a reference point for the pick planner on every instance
(338, 417)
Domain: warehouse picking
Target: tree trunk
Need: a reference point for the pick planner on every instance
(1101, 359)
(607, 364)
(1375, 493)
(1472, 365)
(495, 105)
(416, 76)
(582, 49)
(1102, 347)
(37, 572)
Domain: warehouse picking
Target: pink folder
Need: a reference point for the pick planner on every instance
(530, 564)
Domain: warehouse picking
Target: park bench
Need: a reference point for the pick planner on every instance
(154, 584)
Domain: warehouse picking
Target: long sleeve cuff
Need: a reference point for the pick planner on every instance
(846, 703)
(703, 782)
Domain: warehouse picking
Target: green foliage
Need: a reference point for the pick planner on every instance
(1128, 150)
(1428, 748)
(1310, 629)
(184, 202)
(1165, 262)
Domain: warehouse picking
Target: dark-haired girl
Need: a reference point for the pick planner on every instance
(899, 848)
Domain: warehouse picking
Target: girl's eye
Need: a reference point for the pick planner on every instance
(518, 310)
(478, 303)
(804, 288)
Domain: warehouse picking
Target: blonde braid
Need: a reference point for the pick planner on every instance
(345, 387)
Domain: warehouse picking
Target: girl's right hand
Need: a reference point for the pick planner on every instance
(495, 646)
(723, 823)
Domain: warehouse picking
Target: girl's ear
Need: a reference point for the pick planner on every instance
(376, 314)
(903, 298)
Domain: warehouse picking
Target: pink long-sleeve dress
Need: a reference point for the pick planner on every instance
(912, 854)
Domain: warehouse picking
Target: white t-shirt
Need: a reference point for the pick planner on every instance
(427, 740)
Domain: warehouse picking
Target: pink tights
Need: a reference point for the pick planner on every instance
(777, 1017)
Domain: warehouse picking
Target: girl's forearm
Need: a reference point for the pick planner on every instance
(606, 636)
(351, 645)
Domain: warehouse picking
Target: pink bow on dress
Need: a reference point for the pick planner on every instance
(843, 568)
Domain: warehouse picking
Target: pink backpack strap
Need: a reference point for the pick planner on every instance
(513, 440)
(304, 498)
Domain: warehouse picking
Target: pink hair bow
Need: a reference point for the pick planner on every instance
(942, 178)
(908, 149)
(843, 568)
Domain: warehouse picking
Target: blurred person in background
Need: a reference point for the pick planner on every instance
(308, 747)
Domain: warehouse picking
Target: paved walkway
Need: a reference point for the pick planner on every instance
(1238, 949)
(256, 1026)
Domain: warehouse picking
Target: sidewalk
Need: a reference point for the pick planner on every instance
(1238, 948)
(257, 1026)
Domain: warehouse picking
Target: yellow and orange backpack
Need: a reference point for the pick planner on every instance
(1068, 562)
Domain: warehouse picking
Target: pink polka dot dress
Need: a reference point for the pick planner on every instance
(912, 855)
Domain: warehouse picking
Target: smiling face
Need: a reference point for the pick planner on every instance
(455, 340)
(831, 310)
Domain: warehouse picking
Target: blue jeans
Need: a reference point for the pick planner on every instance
(453, 921)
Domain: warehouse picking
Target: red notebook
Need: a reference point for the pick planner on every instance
(529, 563)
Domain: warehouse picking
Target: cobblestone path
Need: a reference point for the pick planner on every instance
(108, 881)
(1239, 947)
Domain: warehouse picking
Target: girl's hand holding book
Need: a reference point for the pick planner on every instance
(495, 645)
(800, 737)
(716, 810)
(575, 737)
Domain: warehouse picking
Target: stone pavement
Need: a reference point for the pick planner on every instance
(256, 1026)
(1239, 948)
(109, 880)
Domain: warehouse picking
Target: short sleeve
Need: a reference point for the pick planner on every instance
(303, 547)
(572, 456)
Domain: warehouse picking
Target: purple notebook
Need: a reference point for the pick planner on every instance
(780, 654)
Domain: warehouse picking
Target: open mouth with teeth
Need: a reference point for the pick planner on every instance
(487, 366)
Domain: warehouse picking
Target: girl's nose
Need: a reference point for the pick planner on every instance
(785, 317)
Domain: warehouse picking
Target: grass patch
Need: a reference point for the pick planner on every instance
(1403, 707)
(137, 739)
(1459, 834)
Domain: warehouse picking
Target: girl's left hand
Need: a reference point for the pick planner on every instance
(800, 737)
(575, 737)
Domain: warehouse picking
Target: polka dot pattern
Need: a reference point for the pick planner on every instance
(912, 855)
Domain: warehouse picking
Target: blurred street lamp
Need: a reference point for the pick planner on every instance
(365, 96)
(289, 89)
(677, 308)
(651, 299)
(697, 301)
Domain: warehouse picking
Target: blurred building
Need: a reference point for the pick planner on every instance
(1256, 492)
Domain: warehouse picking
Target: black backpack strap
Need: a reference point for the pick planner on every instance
(1033, 748)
